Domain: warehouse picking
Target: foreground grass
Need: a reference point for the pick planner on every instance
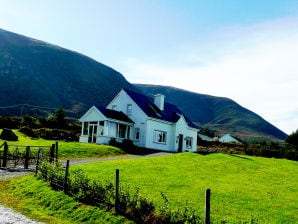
(243, 188)
(69, 149)
(33, 198)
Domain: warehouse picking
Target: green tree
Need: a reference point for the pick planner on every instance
(293, 138)
(60, 118)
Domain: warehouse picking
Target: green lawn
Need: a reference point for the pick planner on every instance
(243, 188)
(68, 149)
(33, 198)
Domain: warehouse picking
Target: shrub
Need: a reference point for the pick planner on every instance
(28, 131)
(10, 122)
(8, 135)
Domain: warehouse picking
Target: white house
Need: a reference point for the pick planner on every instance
(149, 123)
(229, 138)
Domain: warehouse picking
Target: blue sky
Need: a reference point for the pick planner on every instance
(244, 50)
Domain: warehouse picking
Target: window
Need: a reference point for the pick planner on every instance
(112, 129)
(85, 128)
(189, 142)
(114, 107)
(159, 136)
(137, 134)
(129, 109)
(101, 127)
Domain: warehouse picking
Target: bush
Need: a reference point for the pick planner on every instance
(10, 122)
(8, 135)
(29, 132)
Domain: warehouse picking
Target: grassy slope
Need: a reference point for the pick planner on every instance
(69, 149)
(242, 187)
(33, 198)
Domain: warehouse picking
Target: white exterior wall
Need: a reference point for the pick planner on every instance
(159, 125)
(137, 115)
(92, 115)
(186, 131)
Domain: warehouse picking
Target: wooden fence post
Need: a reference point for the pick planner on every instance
(5, 154)
(207, 206)
(38, 160)
(27, 157)
(56, 153)
(65, 184)
(117, 192)
(52, 153)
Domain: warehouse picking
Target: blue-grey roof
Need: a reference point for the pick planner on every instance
(170, 113)
(117, 115)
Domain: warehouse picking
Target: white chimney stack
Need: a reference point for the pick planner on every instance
(159, 101)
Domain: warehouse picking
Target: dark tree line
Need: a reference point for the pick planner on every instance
(293, 138)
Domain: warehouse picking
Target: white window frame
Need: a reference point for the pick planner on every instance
(159, 137)
(129, 109)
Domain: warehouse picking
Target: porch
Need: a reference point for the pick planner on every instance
(101, 132)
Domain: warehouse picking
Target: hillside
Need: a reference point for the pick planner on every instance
(217, 113)
(37, 73)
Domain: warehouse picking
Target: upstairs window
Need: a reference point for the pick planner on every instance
(114, 107)
(159, 136)
(129, 109)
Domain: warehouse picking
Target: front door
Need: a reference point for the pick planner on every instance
(180, 143)
(92, 133)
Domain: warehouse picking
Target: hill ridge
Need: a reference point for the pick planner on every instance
(38, 73)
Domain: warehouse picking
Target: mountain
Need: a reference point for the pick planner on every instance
(220, 114)
(37, 73)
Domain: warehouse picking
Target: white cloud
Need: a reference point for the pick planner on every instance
(255, 66)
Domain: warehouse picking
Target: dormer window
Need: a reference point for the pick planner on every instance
(114, 107)
(129, 109)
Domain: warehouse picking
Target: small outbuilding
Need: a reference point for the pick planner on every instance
(229, 138)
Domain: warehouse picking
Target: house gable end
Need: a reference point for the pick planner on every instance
(93, 114)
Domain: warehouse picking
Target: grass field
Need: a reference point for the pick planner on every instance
(68, 149)
(243, 188)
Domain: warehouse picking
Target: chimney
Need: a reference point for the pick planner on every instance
(159, 101)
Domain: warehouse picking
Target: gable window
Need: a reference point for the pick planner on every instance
(159, 136)
(128, 109)
(137, 133)
(189, 142)
(114, 107)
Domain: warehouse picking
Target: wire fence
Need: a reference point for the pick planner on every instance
(113, 196)
(25, 157)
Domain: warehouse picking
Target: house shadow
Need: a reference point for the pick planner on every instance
(240, 157)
